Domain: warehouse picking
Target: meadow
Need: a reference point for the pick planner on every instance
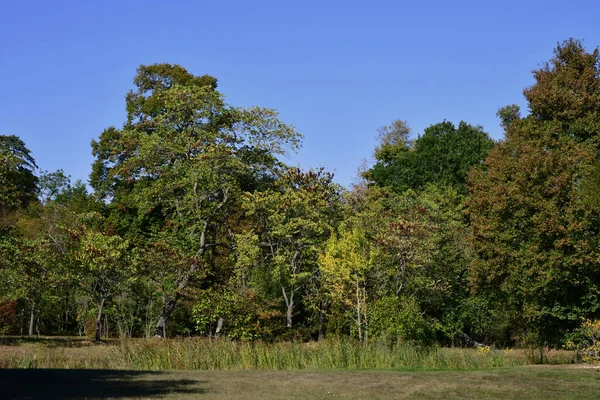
(77, 368)
(223, 354)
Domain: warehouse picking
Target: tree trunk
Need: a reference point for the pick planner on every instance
(31, 319)
(99, 319)
(358, 313)
(220, 323)
(366, 322)
(321, 322)
(289, 314)
(161, 326)
(289, 302)
(160, 332)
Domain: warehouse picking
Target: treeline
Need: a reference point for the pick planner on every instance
(195, 227)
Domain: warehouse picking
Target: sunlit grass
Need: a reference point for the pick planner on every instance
(205, 354)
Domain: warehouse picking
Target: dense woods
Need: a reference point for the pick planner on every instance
(194, 226)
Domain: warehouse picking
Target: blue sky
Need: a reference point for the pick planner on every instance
(336, 70)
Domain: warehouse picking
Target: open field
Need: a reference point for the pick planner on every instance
(528, 382)
(76, 368)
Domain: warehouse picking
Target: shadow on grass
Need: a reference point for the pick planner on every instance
(54, 384)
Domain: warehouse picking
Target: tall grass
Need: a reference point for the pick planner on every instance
(204, 354)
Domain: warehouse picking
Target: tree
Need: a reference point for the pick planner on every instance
(416, 257)
(567, 91)
(181, 161)
(442, 155)
(105, 268)
(37, 274)
(345, 266)
(18, 183)
(292, 221)
(393, 140)
(535, 236)
(9, 276)
(42, 244)
(508, 115)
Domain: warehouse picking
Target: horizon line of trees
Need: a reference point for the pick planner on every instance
(195, 226)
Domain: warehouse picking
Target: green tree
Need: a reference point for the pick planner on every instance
(43, 245)
(345, 265)
(181, 161)
(567, 91)
(442, 155)
(18, 183)
(535, 235)
(9, 277)
(416, 282)
(106, 268)
(393, 141)
(292, 221)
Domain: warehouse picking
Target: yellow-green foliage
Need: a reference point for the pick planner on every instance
(589, 348)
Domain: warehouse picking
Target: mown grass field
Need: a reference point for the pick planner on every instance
(528, 382)
(71, 368)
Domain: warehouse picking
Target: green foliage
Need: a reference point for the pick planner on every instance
(234, 315)
(567, 91)
(18, 183)
(442, 155)
(345, 265)
(9, 275)
(177, 168)
(535, 235)
(394, 140)
(451, 238)
(586, 340)
(400, 320)
(508, 115)
(293, 219)
(104, 270)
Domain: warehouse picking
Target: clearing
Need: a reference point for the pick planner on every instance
(528, 382)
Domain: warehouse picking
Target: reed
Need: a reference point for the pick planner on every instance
(205, 354)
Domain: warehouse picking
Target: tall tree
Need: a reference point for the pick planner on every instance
(534, 234)
(18, 183)
(567, 91)
(181, 161)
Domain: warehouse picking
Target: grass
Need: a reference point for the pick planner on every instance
(73, 368)
(526, 382)
(204, 354)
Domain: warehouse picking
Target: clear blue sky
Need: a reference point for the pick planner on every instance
(336, 70)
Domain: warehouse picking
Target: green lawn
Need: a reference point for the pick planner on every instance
(529, 382)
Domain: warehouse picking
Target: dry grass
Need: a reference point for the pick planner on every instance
(532, 382)
(141, 369)
(53, 353)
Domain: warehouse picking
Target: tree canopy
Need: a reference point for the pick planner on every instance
(534, 235)
(196, 225)
(441, 155)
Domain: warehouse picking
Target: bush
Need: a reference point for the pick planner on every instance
(401, 320)
(586, 340)
(8, 317)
